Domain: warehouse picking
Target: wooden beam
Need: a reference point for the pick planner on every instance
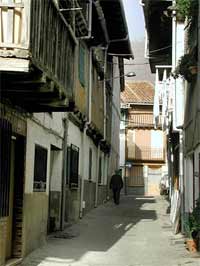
(12, 5)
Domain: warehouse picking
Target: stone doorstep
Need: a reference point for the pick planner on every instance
(13, 262)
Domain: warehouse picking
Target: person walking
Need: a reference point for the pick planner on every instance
(116, 184)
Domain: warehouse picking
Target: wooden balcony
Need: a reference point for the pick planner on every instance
(147, 154)
(36, 55)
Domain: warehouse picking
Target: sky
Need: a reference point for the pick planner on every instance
(136, 26)
(135, 19)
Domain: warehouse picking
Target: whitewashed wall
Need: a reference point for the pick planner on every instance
(75, 136)
(37, 133)
(188, 184)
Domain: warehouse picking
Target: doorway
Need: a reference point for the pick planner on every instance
(16, 191)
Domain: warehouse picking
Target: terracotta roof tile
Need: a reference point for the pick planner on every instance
(138, 92)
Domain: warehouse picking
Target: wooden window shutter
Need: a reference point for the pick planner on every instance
(82, 65)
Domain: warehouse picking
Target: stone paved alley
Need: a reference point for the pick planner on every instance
(135, 233)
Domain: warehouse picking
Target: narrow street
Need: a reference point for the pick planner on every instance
(135, 233)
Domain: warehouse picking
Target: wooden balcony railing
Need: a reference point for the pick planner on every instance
(51, 43)
(148, 154)
(35, 38)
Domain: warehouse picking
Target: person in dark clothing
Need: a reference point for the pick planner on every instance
(116, 184)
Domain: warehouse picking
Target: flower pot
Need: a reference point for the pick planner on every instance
(191, 245)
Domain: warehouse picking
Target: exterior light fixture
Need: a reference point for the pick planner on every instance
(130, 74)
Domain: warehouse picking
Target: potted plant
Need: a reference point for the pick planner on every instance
(187, 67)
(196, 215)
(191, 229)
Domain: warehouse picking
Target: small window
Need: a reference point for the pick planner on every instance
(68, 164)
(74, 166)
(40, 169)
(82, 65)
(90, 164)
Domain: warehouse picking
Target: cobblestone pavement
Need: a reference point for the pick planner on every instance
(135, 233)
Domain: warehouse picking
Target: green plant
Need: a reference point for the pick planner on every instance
(187, 8)
(191, 226)
(184, 66)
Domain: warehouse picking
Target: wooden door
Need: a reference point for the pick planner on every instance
(9, 235)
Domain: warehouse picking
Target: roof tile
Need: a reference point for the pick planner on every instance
(138, 92)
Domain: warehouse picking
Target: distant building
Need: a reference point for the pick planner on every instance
(142, 148)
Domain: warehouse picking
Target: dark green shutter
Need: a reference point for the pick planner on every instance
(82, 65)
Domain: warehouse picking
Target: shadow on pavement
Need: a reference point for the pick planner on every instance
(98, 231)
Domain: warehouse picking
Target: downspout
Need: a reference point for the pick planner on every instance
(83, 172)
(97, 177)
(85, 129)
(104, 90)
(181, 159)
(64, 173)
(89, 23)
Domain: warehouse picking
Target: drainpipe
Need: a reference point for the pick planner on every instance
(181, 159)
(64, 173)
(83, 171)
(89, 23)
(181, 178)
(85, 129)
(97, 177)
(104, 90)
(90, 87)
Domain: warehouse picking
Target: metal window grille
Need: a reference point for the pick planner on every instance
(40, 169)
(68, 164)
(74, 166)
(100, 170)
(5, 153)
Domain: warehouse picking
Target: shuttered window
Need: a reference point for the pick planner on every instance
(68, 164)
(5, 153)
(74, 166)
(82, 65)
(40, 169)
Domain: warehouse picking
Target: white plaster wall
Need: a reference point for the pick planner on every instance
(157, 139)
(53, 121)
(122, 148)
(75, 136)
(188, 184)
(89, 144)
(179, 91)
(38, 134)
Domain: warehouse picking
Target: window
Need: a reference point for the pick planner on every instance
(40, 169)
(90, 164)
(68, 164)
(100, 170)
(74, 166)
(82, 65)
(5, 157)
